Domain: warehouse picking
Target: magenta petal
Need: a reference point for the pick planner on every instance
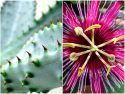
(110, 15)
(80, 10)
(96, 83)
(69, 17)
(110, 34)
(92, 14)
(72, 79)
(118, 32)
(118, 70)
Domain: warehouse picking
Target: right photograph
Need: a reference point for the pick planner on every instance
(93, 46)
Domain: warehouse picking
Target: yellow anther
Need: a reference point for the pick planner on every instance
(81, 69)
(109, 69)
(118, 38)
(78, 30)
(73, 56)
(93, 27)
(73, 45)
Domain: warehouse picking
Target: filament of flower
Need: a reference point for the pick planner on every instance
(73, 45)
(105, 43)
(108, 55)
(111, 57)
(81, 69)
(74, 56)
(103, 61)
(114, 40)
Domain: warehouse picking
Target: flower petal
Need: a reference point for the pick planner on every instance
(92, 13)
(72, 77)
(95, 82)
(118, 70)
(110, 15)
(69, 17)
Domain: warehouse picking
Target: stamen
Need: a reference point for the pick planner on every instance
(103, 61)
(80, 70)
(111, 57)
(79, 31)
(105, 43)
(93, 27)
(84, 52)
(74, 56)
(73, 45)
(118, 38)
(109, 69)
(114, 40)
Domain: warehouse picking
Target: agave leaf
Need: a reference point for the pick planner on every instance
(18, 25)
(45, 65)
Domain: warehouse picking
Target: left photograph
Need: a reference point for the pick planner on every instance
(31, 46)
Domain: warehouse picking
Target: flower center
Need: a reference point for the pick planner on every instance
(91, 49)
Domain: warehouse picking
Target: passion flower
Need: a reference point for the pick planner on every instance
(93, 52)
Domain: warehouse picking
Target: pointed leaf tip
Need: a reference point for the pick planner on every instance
(36, 62)
(59, 44)
(45, 49)
(4, 73)
(29, 54)
(10, 63)
(29, 75)
(19, 60)
(57, 18)
(51, 21)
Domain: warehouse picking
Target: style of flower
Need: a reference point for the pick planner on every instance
(93, 50)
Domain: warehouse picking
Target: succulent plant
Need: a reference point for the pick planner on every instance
(30, 49)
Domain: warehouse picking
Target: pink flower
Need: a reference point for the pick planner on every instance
(93, 52)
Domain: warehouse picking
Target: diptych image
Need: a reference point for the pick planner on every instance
(62, 46)
(31, 46)
(93, 47)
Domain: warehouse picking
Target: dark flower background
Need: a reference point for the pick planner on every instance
(93, 53)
